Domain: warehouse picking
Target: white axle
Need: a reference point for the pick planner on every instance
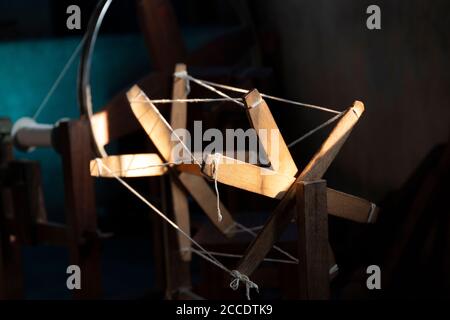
(28, 134)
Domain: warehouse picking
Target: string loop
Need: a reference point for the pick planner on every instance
(238, 277)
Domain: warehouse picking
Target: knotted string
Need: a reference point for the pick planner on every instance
(238, 277)
(202, 253)
(182, 75)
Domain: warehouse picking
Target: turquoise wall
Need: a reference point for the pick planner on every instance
(29, 68)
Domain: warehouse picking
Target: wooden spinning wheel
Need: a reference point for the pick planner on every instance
(304, 191)
(303, 195)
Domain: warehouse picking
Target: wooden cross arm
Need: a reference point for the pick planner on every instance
(154, 124)
(319, 164)
(128, 166)
(180, 203)
(115, 119)
(160, 132)
(350, 207)
(269, 135)
(284, 213)
(272, 184)
(246, 176)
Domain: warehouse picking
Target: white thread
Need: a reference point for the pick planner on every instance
(333, 269)
(188, 291)
(172, 131)
(371, 217)
(203, 253)
(234, 231)
(231, 255)
(182, 75)
(323, 125)
(242, 277)
(248, 283)
(235, 89)
(216, 161)
(287, 254)
(58, 79)
(165, 164)
(190, 100)
(209, 85)
(203, 84)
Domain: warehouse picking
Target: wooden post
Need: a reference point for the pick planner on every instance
(11, 277)
(176, 270)
(26, 198)
(312, 220)
(166, 48)
(74, 143)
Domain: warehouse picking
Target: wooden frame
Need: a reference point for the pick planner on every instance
(23, 217)
(284, 212)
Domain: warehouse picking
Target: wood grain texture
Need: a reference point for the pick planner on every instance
(271, 184)
(330, 148)
(159, 132)
(79, 199)
(284, 213)
(262, 120)
(152, 121)
(180, 205)
(129, 165)
(161, 32)
(116, 119)
(247, 176)
(351, 207)
(205, 197)
(313, 252)
(178, 115)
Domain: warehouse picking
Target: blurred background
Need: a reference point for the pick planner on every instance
(318, 52)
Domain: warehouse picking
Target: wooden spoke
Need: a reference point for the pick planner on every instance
(129, 165)
(284, 212)
(262, 120)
